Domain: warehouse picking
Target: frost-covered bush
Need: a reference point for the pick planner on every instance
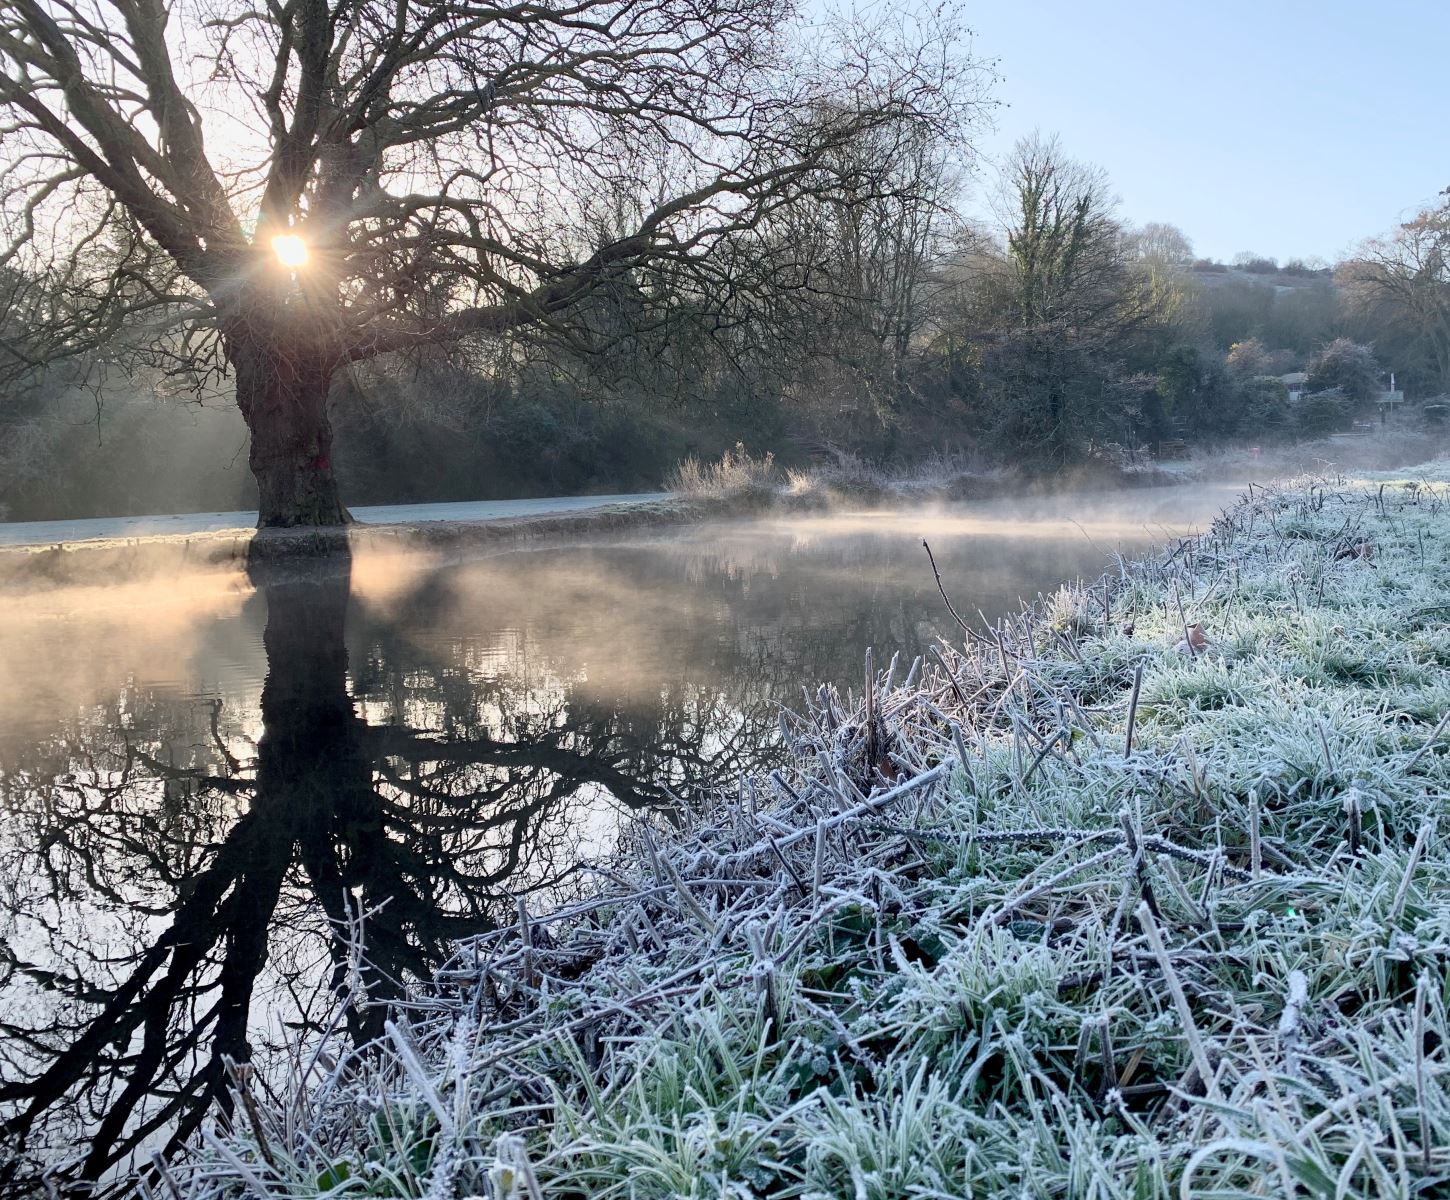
(738, 474)
(1319, 413)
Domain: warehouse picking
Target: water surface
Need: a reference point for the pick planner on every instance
(209, 784)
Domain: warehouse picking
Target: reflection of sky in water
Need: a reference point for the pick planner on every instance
(430, 739)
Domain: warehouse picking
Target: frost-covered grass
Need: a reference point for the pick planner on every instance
(1010, 926)
(1383, 447)
(738, 475)
(741, 476)
(942, 477)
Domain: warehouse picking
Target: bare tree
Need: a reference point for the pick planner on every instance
(275, 192)
(1162, 244)
(1249, 359)
(1397, 291)
(884, 253)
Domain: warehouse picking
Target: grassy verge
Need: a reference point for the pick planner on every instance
(1378, 449)
(1099, 904)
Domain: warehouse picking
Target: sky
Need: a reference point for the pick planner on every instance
(1289, 128)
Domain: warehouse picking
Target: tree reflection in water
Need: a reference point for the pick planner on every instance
(177, 903)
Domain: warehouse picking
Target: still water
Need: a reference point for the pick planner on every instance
(207, 782)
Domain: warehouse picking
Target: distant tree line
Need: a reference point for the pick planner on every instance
(862, 314)
(1056, 333)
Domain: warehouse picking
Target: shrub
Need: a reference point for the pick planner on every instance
(1263, 408)
(1319, 413)
(1347, 366)
(737, 474)
(1259, 266)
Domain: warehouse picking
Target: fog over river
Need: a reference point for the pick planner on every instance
(204, 781)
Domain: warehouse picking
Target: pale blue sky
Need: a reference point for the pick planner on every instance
(1286, 127)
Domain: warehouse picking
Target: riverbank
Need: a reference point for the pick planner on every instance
(753, 483)
(1145, 893)
(99, 561)
(948, 478)
(73, 553)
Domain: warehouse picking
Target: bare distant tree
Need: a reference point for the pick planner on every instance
(1249, 359)
(878, 286)
(1162, 255)
(1159, 242)
(1397, 290)
(274, 192)
(1255, 264)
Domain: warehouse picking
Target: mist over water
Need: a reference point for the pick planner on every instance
(204, 780)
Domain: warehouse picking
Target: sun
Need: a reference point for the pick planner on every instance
(291, 250)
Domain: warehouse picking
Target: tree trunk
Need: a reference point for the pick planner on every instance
(283, 398)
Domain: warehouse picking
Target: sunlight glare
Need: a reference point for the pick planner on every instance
(291, 250)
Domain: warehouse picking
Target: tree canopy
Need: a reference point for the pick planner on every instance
(274, 193)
